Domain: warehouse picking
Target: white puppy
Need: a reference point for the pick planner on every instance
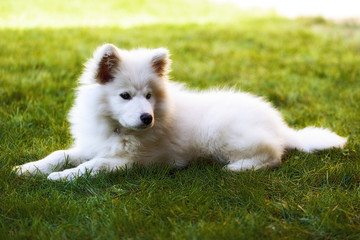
(127, 112)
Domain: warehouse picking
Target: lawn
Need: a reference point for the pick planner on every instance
(308, 68)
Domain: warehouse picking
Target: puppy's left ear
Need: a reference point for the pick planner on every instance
(160, 62)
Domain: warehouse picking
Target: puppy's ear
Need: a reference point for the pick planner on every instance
(108, 61)
(160, 62)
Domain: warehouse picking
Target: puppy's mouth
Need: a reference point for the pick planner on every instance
(141, 127)
(121, 128)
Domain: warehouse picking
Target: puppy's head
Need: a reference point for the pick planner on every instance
(133, 83)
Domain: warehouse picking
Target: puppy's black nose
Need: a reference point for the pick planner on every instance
(146, 118)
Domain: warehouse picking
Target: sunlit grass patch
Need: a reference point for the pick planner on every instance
(42, 13)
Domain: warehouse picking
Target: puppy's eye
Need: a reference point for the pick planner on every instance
(125, 96)
(148, 96)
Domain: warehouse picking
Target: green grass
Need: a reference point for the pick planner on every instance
(308, 68)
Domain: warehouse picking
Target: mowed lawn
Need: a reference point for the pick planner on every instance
(308, 68)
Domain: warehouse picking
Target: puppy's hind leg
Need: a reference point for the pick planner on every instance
(55, 160)
(255, 156)
(256, 162)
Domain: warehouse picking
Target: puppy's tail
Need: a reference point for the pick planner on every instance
(311, 138)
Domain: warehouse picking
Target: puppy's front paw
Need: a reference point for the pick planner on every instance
(26, 169)
(55, 176)
(32, 168)
(67, 175)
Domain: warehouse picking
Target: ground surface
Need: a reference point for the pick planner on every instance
(308, 68)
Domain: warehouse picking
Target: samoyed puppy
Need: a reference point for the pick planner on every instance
(127, 111)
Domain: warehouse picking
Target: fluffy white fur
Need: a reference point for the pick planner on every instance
(238, 129)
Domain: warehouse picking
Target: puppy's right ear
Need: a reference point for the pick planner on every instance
(108, 60)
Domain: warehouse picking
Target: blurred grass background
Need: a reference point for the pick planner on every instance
(307, 67)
